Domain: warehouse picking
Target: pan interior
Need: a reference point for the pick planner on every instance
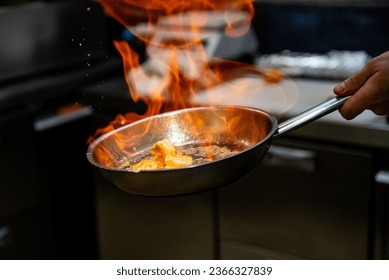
(235, 127)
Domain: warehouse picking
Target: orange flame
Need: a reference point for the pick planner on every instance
(151, 19)
(178, 66)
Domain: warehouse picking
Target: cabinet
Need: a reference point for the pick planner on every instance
(20, 175)
(46, 192)
(312, 205)
(381, 219)
(23, 227)
(134, 227)
(25, 236)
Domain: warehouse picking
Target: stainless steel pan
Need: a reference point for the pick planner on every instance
(245, 127)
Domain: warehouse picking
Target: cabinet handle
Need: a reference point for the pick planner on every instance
(298, 159)
(61, 116)
(4, 235)
(382, 177)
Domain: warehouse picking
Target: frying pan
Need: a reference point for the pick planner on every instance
(249, 128)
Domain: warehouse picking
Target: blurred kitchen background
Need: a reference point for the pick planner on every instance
(322, 192)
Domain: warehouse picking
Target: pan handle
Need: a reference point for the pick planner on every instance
(310, 115)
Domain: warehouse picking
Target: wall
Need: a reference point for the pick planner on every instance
(318, 29)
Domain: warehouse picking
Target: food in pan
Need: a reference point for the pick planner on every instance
(147, 164)
(164, 155)
(210, 152)
(162, 148)
(177, 160)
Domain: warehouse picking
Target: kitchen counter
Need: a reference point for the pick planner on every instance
(367, 129)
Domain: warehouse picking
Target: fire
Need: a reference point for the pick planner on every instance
(164, 22)
(178, 66)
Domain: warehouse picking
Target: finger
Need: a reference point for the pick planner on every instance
(365, 97)
(354, 82)
(380, 109)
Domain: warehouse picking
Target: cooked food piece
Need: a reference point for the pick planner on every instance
(163, 148)
(163, 155)
(147, 164)
(176, 161)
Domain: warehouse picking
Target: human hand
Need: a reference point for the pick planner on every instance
(369, 88)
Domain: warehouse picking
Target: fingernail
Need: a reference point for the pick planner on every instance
(340, 87)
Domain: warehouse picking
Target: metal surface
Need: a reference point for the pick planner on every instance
(310, 115)
(382, 177)
(224, 124)
(45, 35)
(230, 125)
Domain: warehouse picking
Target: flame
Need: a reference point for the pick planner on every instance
(168, 22)
(178, 66)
